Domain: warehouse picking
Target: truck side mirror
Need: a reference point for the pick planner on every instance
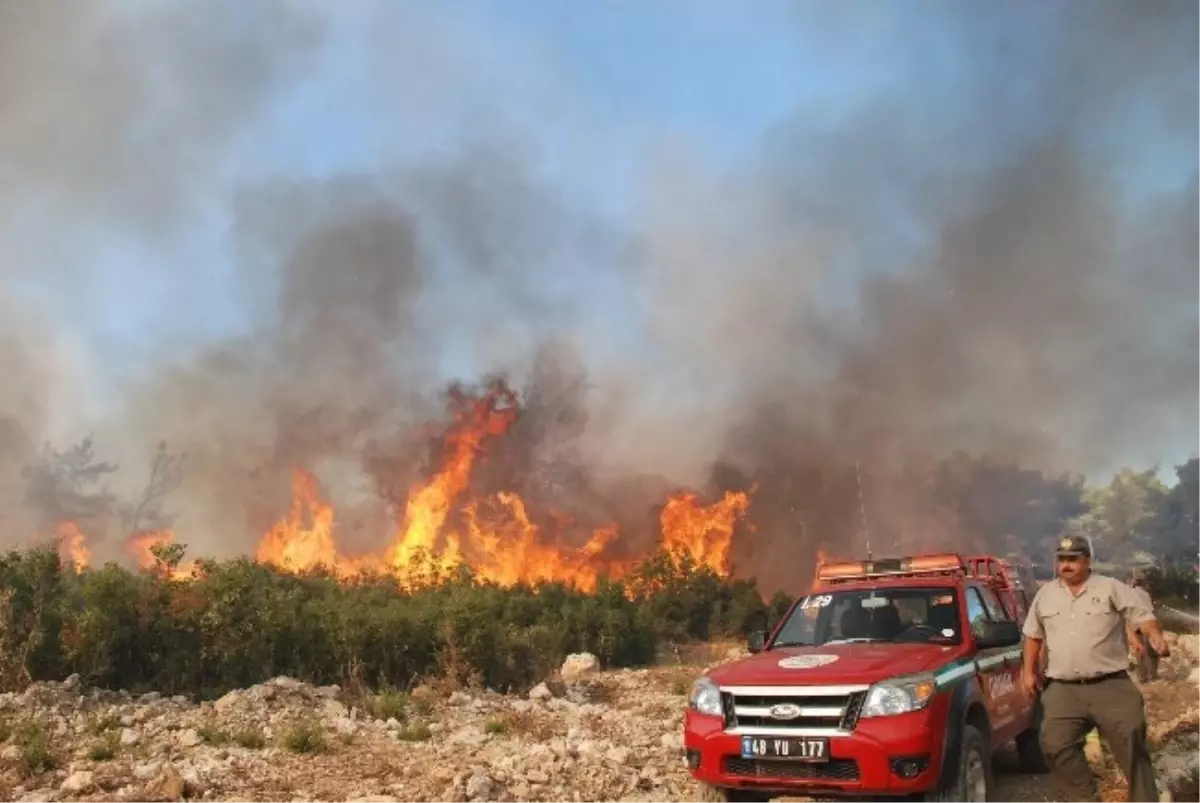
(997, 634)
(756, 641)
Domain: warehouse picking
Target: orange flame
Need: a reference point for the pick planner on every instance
(507, 548)
(495, 535)
(428, 507)
(703, 533)
(72, 545)
(304, 539)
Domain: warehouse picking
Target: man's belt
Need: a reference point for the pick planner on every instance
(1096, 679)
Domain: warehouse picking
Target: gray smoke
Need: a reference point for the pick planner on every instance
(983, 256)
(924, 278)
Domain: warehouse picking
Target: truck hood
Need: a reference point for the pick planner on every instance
(834, 664)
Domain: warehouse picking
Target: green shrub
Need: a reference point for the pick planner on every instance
(240, 623)
(305, 736)
(211, 734)
(417, 732)
(36, 756)
(250, 738)
(389, 705)
(106, 748)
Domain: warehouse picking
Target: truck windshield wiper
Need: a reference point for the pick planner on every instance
(778, 644)
(852, 641)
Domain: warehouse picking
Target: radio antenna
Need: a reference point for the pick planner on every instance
(862, 508)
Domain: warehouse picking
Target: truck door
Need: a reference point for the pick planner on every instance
(999, 669)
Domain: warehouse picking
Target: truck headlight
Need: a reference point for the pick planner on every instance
(897, 696)
(705, 698)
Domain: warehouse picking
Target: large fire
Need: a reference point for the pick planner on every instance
(443, 527)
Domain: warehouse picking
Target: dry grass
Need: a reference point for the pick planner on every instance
(530, 724)
(105, 748)
(98, 724)
(417, 732)
(250, 738)
(678, 680)
(211, 734)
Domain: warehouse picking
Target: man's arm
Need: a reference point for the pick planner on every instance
(1031, 656)
(1031, 651)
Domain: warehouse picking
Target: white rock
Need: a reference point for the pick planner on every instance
(37, 796)
(129, 737)
(618, 755)
(479, 786)
(540, 692)
(189, 738)
(578, 666)
(77, 781)
(144, 772)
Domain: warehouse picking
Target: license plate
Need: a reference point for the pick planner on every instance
(803, 749)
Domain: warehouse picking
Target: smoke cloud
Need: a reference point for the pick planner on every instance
(981, 254)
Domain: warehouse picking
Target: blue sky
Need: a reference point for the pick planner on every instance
(597, 97)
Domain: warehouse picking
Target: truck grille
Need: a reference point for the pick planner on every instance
(838, 769)
(823, 710)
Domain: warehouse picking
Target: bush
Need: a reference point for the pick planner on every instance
(305, 736)
(250, 738)
(34, 746)
(1174, 585)
(240, 623)
(106, 748)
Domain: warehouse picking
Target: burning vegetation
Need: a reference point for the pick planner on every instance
(445, 523)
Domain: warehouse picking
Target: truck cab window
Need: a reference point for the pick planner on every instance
(995, 608)
(977, 612)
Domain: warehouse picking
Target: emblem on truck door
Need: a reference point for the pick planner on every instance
(785, 711)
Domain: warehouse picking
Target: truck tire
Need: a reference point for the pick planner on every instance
(974, 780)
(717, 794)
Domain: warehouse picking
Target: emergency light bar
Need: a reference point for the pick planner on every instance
(939, 563)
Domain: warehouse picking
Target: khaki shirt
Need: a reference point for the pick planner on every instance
(1085, 634)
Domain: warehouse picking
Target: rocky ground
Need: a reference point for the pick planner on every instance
(591, 736)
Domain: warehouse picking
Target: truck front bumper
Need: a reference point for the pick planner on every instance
(896, 755)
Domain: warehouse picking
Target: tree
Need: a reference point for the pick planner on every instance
(68, 486)
(1124, 516)
(1179, 524)
(166, 474)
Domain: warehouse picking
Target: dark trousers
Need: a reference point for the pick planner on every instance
(1114, 707)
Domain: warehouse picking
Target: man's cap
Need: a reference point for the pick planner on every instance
(1074, 545)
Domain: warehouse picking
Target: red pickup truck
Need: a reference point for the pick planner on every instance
(890, 677)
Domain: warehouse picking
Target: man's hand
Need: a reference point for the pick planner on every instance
(1031, 683)
(1159, 642)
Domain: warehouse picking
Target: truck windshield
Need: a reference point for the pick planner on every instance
(873, 615)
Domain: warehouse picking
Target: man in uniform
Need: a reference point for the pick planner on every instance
(1077, 623)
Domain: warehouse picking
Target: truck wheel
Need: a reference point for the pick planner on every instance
(718, 794)
(1030, 757)
(974, 781)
